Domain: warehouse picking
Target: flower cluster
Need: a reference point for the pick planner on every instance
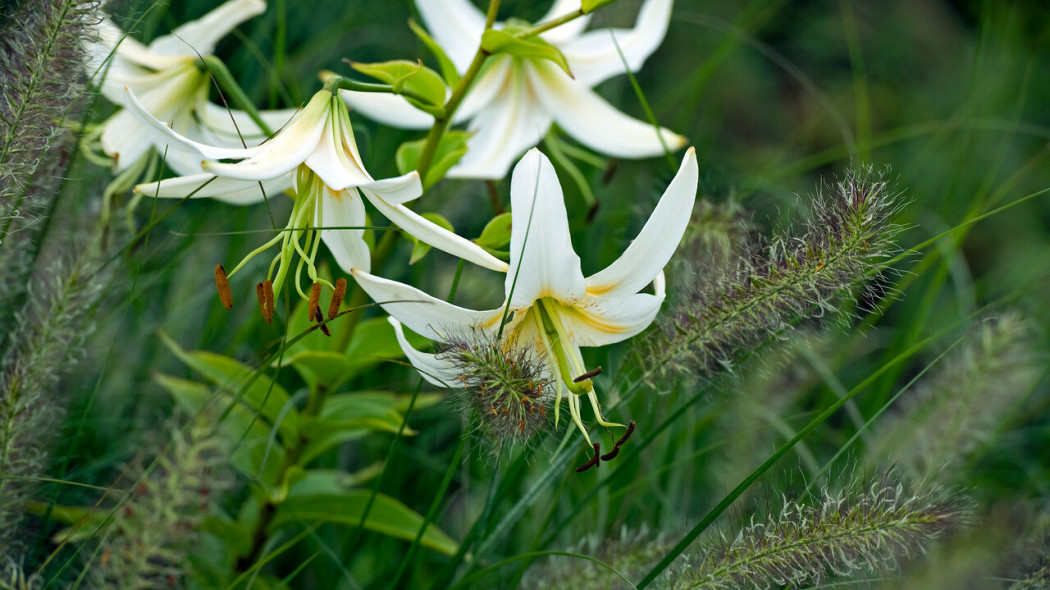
(512, 80)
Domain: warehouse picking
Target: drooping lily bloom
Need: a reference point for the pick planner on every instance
(553, 308)
(315, 154)
(168, 80)
(514, 100)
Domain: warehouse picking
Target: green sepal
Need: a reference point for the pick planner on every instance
(496, 233)
(448, 69)
(387, 516)
(406, 76)
(452, 147)
(494, 42)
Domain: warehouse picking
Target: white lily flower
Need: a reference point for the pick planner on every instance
(317, 155)
(514, 101)
(553, 308)
(168, 80)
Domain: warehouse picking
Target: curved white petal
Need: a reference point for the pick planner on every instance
(220, 124)
(593, 122)
(201, 35)
(429, 316)
(314, 127)
(345, 208)
(569, 30)
(124, 139)
(388, 109)
(175, 140)
(599, 321)
(512, 123)
(456, 25)
(228, 190)
(396, 190)
(649, 252)
(491, 82)
(430, 233)
(542, 261)
(593, 56)
(332, 159)
(434, 370)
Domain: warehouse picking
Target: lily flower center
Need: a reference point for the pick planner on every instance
(300, 239)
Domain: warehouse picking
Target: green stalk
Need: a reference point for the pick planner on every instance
(222, 75)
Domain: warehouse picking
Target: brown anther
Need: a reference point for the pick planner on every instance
(524, 400)
(261, 291)
(337, 298)
(543, 410)
(595, 460)
(320, 319)
(314, 310)
(626, 435)
(521, 426)
(611, 454)
(493, 408)
(223, 285)
(592, 373)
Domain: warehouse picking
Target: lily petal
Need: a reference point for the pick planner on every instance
(593, 122)
(512, 123)
(594, 58)
(345, 208)
(388, 109)
(229, 126)
(456, 25)
(569, 30)
(650, 251)
(330, 159)
(491, 82)
(434, 370)
(600, 321)
(228, 190)
(429, 316)
(201, 35)
(542, 261)
(124, 139)
(430, 233)
(176, 140)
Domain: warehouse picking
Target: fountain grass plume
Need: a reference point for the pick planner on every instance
(958, 409)
(726, 313)
(155, 529)
(860, 529)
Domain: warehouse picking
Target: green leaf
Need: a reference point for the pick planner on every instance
(333, 481)
(242, 429)
(257, 391)
(589, 6)
(448, 69)
(345, 417)
(387, 516)
(420, 249)
(493, 42)
(452, 147)
(407, 76)
(496, 233)
(374, 342)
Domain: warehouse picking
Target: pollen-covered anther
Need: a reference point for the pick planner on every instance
(592, 373)
(223, 285)
(264, 291)
(337, 298)
(626, 435)
(314, 310)
(594, 461)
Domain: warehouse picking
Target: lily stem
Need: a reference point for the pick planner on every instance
(222, 75)
(437, 132)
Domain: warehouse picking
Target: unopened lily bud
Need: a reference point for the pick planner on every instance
(313, 311)
(223, 285)
(337, 298)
